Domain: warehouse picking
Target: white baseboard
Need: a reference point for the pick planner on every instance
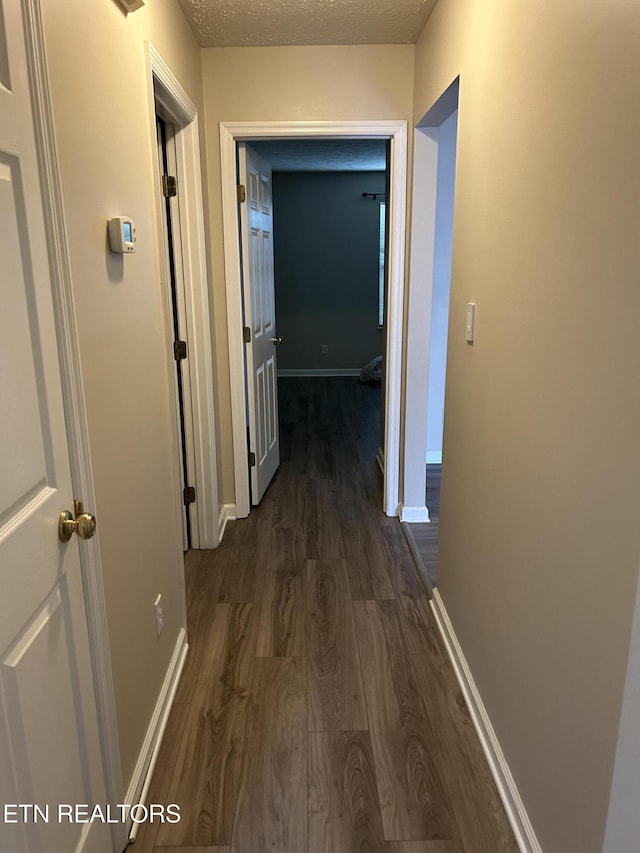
(434, 457)
(380, 459)
(227, 513)
(417, 559)
(322, 371)
(414, 514)
(509, 794)
(156, 728)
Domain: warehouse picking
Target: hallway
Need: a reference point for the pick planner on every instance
(318, 711)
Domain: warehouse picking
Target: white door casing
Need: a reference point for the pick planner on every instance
(256, 214)
(231, 133)
(167, 97)
(49, 736)
(173, 266)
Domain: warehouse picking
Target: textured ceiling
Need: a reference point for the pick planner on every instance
(324, 155)
(244, 23)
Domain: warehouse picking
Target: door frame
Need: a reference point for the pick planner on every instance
(164, 89)
(74, 405)
(396, 131)
(419, 302)
(172, 267)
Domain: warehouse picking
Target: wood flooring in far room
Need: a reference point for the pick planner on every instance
(318, 711)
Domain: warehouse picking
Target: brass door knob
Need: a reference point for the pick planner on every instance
(84, 524)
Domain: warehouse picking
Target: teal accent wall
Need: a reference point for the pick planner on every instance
(326, 240)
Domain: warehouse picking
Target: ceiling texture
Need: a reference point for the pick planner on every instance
(270, 23)
(323, 155)
(254, 23)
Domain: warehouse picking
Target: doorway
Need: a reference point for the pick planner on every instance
(323, 310)
(172, 243)
(169, 101)
(232, 133)
(442, 250)
(430, 281)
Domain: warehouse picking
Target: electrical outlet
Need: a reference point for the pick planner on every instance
(324, 349)
(159, 615)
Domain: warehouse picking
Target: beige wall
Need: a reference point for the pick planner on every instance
(344, 83)
(104, 136)
(540, 543)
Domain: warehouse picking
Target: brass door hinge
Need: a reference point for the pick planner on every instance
(246, 334)
(169, 186)
(242, 193)
(252, 459)
(189, 495)
(179, 350)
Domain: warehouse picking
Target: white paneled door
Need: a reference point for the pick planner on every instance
(259, 317)
(49, 746)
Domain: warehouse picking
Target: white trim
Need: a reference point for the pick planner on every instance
(233, 284)
(420, 292)
(434, 457)
(320, 371)
(397, 218)
(414, 514)
(396, 131)
(170, 93)
(166, 90)
(418, 329)
(417, 559)
(155, 730)
(227, 513)
(74, 404)
(509, 794)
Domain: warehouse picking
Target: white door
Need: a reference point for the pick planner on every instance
(259, 318)
(49, 746)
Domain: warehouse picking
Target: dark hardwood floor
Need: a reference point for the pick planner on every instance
(425, 536)
(318, 711)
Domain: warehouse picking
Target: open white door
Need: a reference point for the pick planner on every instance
(259, 319)
(49, 743)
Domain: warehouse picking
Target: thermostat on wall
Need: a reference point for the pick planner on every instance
(122, 234)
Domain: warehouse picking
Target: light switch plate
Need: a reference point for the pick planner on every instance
(470, 324)
(159, 615)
